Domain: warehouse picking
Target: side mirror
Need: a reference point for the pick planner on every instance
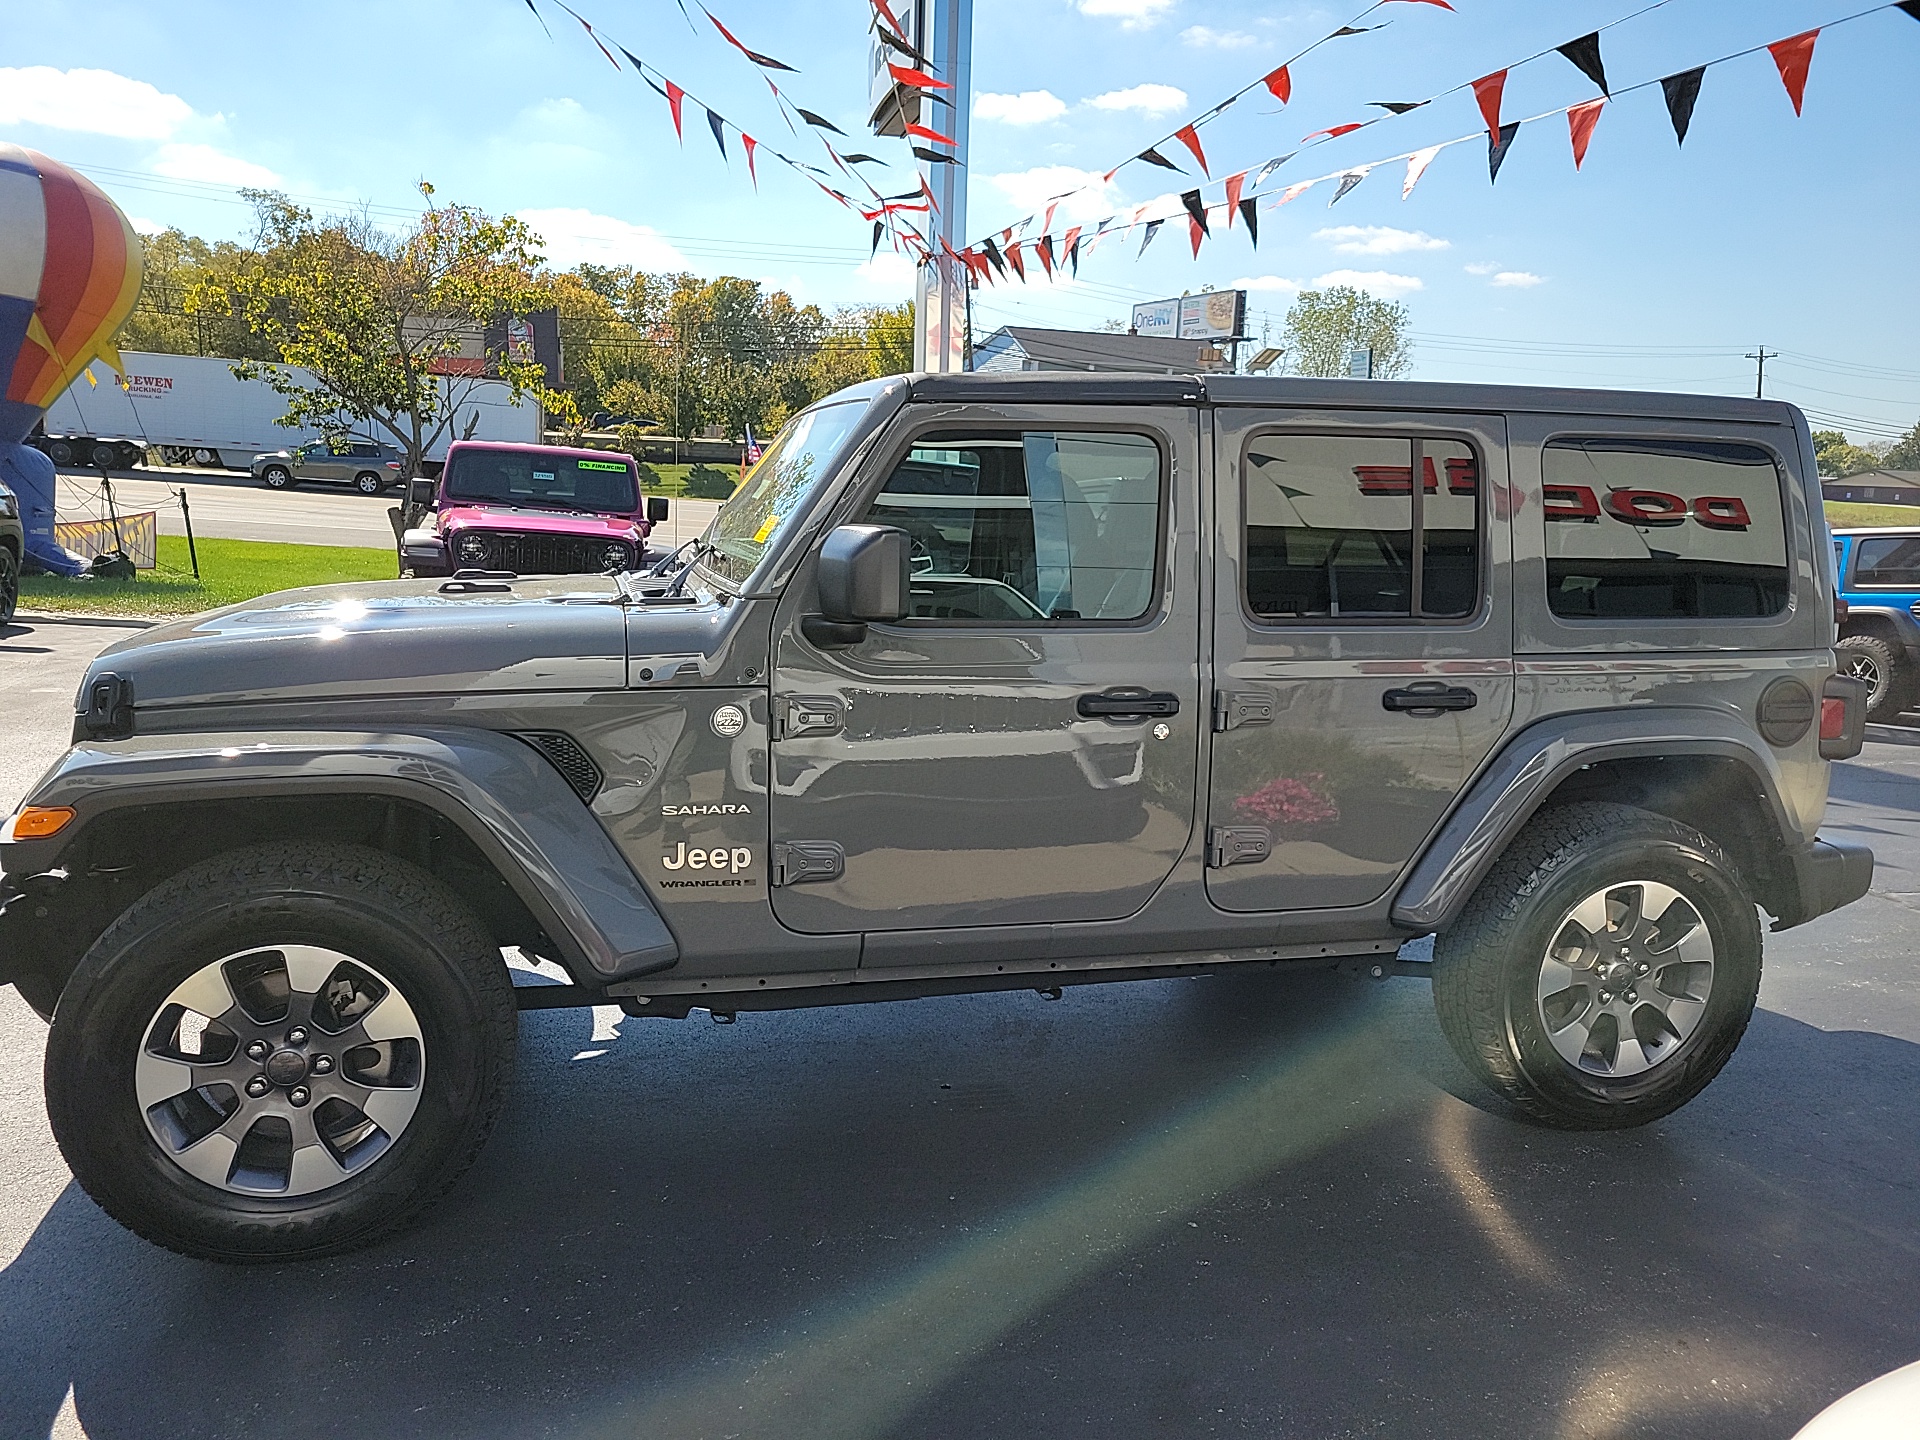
(420, 492)
(863, 576)
(656, 509)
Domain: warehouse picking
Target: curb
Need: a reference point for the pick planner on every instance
(131, 622)
(1893, 734)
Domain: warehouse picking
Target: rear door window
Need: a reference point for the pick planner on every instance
(1890, 563)
(1662, 529)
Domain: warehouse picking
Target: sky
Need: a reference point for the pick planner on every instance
(1654, 266)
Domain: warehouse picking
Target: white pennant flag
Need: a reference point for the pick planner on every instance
(1417, 166)
(1347, 182)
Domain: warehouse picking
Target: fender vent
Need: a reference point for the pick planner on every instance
(567, 756)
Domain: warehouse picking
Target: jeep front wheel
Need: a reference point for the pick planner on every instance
(1604, 970)
(280, 1053)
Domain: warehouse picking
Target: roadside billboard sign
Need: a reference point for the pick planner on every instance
(1209, 315)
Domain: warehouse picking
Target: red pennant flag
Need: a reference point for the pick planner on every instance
(1332, 134)
(1068, 247)
(1441, 3)
(1044, 249)
(674, 96)
(907, 75)
(1047, 224)
(1195, 232)
(1280, 85)
(1580, 122)
(1013, 259)
(881, 6)
(754, 55)
(922, 132)
(1234, 185)
(749, 142)
(590, 35)
(1487, 91)
(1190, 138)
(1793, 56)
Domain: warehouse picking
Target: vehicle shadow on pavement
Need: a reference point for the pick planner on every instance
(1247, 1204)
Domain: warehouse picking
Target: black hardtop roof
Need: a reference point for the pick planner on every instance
(1066, 387)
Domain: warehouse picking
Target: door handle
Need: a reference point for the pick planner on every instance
(1429, 699)
(1127, 702)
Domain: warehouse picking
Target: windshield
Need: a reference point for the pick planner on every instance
(777, 488)
(548, 478)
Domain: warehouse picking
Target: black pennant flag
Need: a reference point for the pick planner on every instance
(1154, 157)
(1497, 149)
(543, 22)
(1681, 91)
(719, 128)
(1398, 107)
(820, 120)
(993, 256)
(879, 228)
(1073, 255)
(932, 157)
(1585, 54)
(861, 159)
(1249, 212)
(1912, 7)
(1044, 248)
(1153, 229)
(1191, 199)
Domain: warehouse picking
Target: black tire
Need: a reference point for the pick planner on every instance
(1879, 662)
(277, 477)
(9, 585)
(60, 452)
(368, 483)
(1488, 965)
(393, 917)
(104, 456)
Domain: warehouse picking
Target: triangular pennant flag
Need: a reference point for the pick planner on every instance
(1234, 185)
(1347, 182)
(861, 158)
(1047, 224)
(1580, 122)
(1153, 229)
(1497, 147)
(1293, 192)
(747, 142)
(1013, 259)
(919, 79)
(1070, 247)
(1196, 231)
(1487, 90)
(1353, 30)
(1793, 55)
(921, 132)
(719, 128)
(1335, 133)
(882, 7)
(1250, 212)
(543, 23)
(1279, 84)
(1271, 166)
(1190, 138)
(1585, 54)
(1682, 91)
(993, 256)
(932, 157)
(1044, 249)
(878, 227)
(1397, 107)
(1911, 7)
(1154, 157)
(754, 55)
(591, 36)
(1441, 3)
(820, 120)
(1191, 199)
(1417, 164)
(674, 96)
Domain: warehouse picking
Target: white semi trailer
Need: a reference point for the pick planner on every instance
(192, 410)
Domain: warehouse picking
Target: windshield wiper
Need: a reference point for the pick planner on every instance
(701, 546)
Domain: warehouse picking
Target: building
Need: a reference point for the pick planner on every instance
(1876, 487)
(1021, 347)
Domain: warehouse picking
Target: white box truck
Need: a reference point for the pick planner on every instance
(192, 410)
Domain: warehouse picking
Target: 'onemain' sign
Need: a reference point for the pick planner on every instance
(1210, 315)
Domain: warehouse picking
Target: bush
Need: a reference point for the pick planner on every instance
(704, 482)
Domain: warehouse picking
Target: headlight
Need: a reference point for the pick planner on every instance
(614, 557)
(471, 549)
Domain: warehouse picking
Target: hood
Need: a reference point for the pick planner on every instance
(533, 520)
(394, 638)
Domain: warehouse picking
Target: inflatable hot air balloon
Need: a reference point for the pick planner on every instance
(70, 269)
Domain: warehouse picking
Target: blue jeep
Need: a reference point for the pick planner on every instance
(1879, 641)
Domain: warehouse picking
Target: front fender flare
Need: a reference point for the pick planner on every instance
(497, 789)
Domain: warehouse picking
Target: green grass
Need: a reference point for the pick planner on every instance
(1844, 514)
(230, 571)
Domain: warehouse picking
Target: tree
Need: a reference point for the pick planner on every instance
(890, 338)
(1905, 454)
(175, 264)
(1324, 325)
(1836, 456)
(373, 318)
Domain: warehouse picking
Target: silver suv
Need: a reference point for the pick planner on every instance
(976, 683)
(367, 465)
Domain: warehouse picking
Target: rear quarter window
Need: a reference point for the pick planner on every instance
(1662, 529)
(1889, 562)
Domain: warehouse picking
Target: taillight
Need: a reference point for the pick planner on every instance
(1839, 610)
(1833, 717)
(1843, 717)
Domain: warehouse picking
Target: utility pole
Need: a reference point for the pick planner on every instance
(1760, 358)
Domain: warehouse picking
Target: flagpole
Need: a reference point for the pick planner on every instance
(940, 290)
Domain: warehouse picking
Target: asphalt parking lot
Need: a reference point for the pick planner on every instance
(1258, 1205)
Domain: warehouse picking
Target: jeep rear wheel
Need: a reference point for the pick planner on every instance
(1604, 970)
(280, 1053)
(1890, 684)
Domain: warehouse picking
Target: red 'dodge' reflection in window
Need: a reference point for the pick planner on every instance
(1643, 507)
(1462, 478)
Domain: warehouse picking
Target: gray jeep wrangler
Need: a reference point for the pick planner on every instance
(977, 683)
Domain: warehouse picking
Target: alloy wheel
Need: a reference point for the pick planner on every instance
(280, 1071)
(1862, 666)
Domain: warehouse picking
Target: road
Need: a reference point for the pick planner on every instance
(1258, 1205)
(240, 508)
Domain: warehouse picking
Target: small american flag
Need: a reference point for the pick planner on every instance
(749, 453)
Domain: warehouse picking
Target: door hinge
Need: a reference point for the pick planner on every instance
(807, 715)
(108, 714)
(1237, 845)
(1234, 708)
(800, 862)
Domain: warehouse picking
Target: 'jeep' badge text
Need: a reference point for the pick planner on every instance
(720, 857)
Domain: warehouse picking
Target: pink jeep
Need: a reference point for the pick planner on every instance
(530, 509)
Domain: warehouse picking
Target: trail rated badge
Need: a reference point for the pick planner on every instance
(729, 721)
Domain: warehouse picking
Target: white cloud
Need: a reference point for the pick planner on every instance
(575, 236)
(1483, 267)
(887, 276)
(1518, 280)
(1132, 14)
(183, 161)
(1092, 197)
(1377, 239)
(1150, 99)
(555, 112)
(1374, 282)
(143, 226)
(98, 102)
(1029, 107)
(1205, 37)
(1267, 283)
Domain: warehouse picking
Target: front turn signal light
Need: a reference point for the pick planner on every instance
(37, 822)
